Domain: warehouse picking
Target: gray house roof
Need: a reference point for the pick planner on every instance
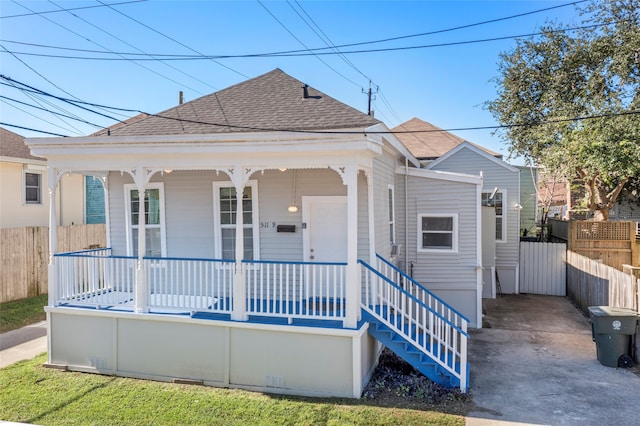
(12, 145)
(274, 101)
(428, 142)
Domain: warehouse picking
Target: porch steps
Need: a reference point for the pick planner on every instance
(403, 347)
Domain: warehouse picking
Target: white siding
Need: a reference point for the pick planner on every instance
(495, 175)
(189, 209)
(452, 276)
(383, 176)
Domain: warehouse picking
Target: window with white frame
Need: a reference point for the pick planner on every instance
(225, 214)
(392, 215)
(496, 200)
(155, 243)
(32, 187)
(438, 233)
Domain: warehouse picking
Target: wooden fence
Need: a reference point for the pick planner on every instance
(24, 256)
(592, 283)
(613, 243)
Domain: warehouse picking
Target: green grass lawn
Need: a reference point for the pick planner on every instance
(22, 312)
(34, 394)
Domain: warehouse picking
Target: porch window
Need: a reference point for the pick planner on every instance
(497, 202)
(32, 188)
(153, 219)
(225, 205)
(438, 233)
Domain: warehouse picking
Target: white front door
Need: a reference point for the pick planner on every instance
(325, 229)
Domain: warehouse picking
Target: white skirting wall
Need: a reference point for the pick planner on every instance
(282, 359)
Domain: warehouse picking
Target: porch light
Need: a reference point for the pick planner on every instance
(517, 206)
(292, 208)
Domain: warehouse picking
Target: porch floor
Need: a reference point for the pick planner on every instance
(261, 311)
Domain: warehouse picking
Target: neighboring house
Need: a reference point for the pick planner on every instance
(439, 150)
(24, 199)
(272, 216)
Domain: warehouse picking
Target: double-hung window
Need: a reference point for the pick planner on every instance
(32, 188)
(438, 233)
(225, 220)
(155, 243)
(497, 202)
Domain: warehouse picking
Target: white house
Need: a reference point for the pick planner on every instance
(440, 150)
(273, 219)
(23, 192)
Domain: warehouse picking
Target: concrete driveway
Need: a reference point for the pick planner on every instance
(535, 362)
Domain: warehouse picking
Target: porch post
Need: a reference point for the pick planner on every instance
(140, 298)
(353, 276)
(239, 312)
(52, 184)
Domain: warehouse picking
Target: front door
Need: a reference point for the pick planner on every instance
(324, 229)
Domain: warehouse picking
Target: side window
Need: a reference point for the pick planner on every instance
(153, 218)
(497, 201)
(32, 188)
(438, 233)
(225, 213)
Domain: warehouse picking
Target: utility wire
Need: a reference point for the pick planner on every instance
(31, 129)
(305, 46)
(53, 112)
(301, 53)
(139, 50)
(73, 8)
(42, 119)
(338, 132)
(173, 40)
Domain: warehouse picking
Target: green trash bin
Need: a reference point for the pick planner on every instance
(613, 329)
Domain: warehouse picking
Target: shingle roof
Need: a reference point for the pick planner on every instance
(12, 145)
(273, 101)
(429, 142)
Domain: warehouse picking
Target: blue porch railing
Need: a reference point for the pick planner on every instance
(95, 278)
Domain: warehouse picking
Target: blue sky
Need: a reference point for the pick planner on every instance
(445, 85)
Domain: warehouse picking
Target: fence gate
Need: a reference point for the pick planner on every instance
(543, 268)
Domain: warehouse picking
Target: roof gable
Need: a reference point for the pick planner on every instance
(473, 148)
(12, 145)
(429, 142)
(271, 102)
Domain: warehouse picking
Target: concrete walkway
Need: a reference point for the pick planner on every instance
(23, 343)
(536, 363)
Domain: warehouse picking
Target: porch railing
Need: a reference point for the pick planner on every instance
(204, 285)
(432, 330)
(295, 289)
(95, 278)
(416, 289)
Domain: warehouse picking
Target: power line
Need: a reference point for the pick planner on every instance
(172, 39)
(141, 51)
(53, 112)
(338, 132)
(31, 129)
(302, 53)
(305, 46)
(73, 8)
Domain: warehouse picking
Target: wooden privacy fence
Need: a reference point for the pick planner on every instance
(24, 256)
(592, 283)
(543, 269)
(614, 243)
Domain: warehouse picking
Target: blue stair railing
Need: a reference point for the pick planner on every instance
(415, 324)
